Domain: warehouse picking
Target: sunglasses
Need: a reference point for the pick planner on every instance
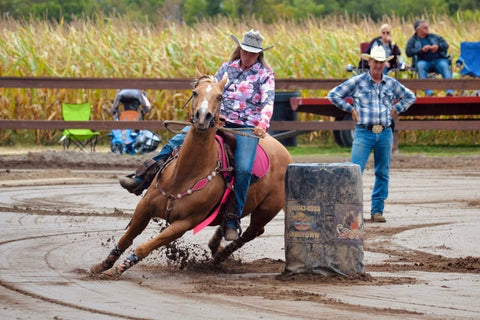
(385, 32)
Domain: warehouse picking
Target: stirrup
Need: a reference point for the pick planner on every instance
(232, 217)
(231, 234)
(135, 187)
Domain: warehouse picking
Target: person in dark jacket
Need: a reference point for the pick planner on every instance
(391, 49)
(429, 52)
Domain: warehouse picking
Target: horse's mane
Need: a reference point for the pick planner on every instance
(204, 78)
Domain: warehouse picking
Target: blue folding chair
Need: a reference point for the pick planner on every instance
(469, 59)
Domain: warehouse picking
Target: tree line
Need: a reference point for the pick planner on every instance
(268, 11)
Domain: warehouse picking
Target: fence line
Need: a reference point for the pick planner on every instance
(186, 84)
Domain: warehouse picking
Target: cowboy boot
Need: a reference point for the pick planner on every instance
(231, 229)
(231, 220)
(143, 177)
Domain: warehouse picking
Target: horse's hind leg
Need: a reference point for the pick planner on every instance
(258, 219)
(139, 222)
(214, 243)
(249, 234)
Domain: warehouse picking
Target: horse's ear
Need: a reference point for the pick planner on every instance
(223, 81)
(198, 74)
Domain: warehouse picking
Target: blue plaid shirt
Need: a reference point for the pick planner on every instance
(372, 101)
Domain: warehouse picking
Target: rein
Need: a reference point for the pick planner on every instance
(239, 131)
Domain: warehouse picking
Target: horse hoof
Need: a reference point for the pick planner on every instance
(215, 251)
(110, 274)
(218, 258)
(96, 269)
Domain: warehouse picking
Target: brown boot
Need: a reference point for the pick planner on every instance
(142, 178)
(378, 217)
(232, 229)
(230, 234)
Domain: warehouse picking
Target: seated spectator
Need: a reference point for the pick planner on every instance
(430, 52)
(391, 49)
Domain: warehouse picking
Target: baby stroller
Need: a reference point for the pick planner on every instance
(128, 141)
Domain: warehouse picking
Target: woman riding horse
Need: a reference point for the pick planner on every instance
(247, 104)
(191, 187)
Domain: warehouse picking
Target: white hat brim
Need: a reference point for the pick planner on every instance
(366, 56)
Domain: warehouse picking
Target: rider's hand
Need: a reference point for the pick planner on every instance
(259, 132)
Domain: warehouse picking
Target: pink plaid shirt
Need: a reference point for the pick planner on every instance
(248, 98)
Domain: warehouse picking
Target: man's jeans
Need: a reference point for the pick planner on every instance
(439, 66)
(381, 144)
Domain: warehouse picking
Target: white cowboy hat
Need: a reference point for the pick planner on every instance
(251, 42)
(377, 53)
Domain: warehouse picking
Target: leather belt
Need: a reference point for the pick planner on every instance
(377, 128)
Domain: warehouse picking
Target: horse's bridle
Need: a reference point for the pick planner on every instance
(216, 116)
(214, 120)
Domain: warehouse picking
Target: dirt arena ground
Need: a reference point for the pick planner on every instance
(61, 212)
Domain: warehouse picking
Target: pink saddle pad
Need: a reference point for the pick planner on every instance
(262, 163)
(260, 168)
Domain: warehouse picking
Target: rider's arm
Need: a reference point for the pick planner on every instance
(267, 95)
(146, 103)
(114, 110)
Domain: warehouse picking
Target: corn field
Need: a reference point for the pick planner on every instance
(119, 48)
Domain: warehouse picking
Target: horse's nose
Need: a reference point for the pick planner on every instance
(202, 118)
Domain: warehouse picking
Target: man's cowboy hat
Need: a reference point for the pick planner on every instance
(377, 53)
(251, 42)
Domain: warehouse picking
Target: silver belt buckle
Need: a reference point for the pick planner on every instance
(377, 128)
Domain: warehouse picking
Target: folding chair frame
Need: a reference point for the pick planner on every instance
(79, 138)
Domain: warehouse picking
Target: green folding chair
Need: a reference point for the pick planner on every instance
(79, 138)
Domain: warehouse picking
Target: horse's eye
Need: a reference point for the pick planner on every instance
(219, 97)
(195, 94)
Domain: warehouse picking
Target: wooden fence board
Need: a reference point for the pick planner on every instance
(186, 84)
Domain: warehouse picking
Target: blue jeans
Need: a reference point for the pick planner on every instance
(439, 66)
(245, 153)
(381, 143)
(174, 142)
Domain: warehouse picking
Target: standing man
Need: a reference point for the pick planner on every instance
(376, 98)
(430, 52)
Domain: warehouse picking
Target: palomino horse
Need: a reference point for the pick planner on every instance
(170, 195)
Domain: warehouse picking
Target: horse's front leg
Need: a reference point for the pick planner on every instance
(171, 233)
(139, 222)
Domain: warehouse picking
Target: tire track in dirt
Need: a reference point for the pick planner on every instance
(29, 293)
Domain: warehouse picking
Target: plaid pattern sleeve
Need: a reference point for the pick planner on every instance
(338, 94)
(372, 101)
